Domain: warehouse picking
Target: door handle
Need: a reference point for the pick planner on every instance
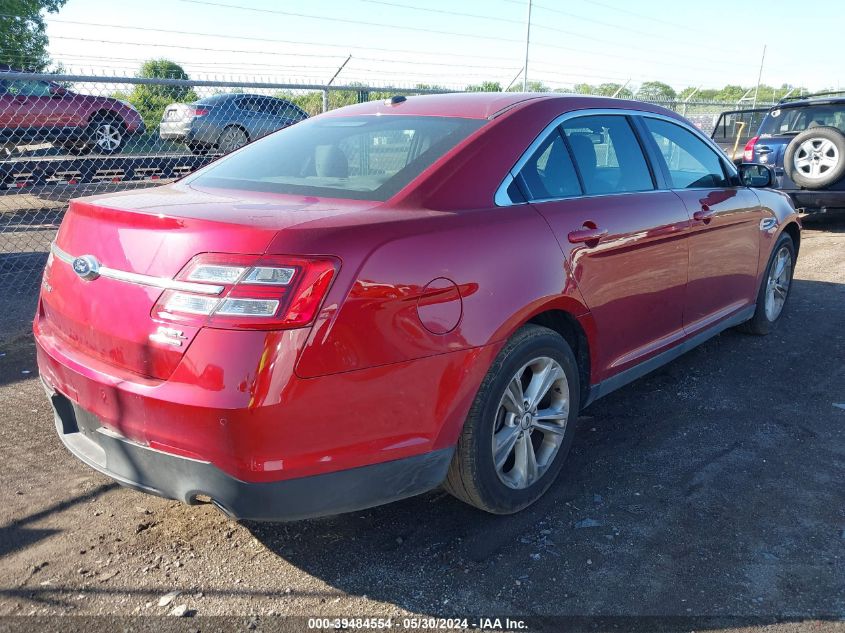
(587, 234)
(763, 149)
(704, 215)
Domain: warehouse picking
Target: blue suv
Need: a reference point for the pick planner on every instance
(803, 139)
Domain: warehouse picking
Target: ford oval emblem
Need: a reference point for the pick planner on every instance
(87, 267)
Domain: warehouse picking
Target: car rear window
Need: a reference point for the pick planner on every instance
(797, 119)
(363, 158)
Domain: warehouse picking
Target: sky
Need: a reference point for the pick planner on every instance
(452, 44)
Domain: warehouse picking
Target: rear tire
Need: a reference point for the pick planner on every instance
(106, 135)
(774, 288)
(231, 138)
(198, 149)
(515, 422)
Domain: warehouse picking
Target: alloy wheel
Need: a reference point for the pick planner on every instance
(530, 422)
(231, 139)
(108, 136)
(815, 157)
(777, 285)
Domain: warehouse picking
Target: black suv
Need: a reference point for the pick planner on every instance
(803, 139)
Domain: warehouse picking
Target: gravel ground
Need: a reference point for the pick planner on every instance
(714, 487)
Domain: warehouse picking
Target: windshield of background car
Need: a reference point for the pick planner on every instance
(795, 120)
(362, 158)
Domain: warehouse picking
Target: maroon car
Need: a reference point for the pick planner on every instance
(35, 111)
(397, 295)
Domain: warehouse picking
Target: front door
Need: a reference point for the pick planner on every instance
(725, 235)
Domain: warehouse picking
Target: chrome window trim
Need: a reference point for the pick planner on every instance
(501, 198)
(140, 279)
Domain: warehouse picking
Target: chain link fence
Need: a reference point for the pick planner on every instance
(64, 136)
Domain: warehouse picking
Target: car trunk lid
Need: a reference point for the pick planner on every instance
(153, 234)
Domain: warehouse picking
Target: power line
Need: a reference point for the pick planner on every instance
(626, 28)
(351, 21)
(346, 47)
(425, 30)
(536, 26)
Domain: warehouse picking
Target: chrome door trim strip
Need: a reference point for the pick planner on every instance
(501, 198)
(142, 280)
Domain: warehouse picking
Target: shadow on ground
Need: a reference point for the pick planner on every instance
(713, 486)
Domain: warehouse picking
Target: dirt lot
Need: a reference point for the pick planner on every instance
(713, 487)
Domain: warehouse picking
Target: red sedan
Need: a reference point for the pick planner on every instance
(398, 295)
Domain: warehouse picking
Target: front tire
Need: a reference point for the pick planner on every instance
(521, 424)
(774, 289)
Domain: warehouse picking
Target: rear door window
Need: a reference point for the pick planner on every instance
(549, 173)
(608, 155)
(690, 161)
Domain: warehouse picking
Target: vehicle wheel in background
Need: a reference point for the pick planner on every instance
(231, 138)
(521, 425)
(198, 149)
(78, 148)
(816, 157)
(774, 289)
(106, 134)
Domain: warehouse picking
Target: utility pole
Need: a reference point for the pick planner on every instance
(527, 40)
(759, 77)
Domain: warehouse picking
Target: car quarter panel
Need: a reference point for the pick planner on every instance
(778, 206)
(493, 268)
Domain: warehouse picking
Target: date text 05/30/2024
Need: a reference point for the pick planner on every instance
(414, 624)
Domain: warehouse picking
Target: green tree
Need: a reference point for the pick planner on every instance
(485, 86)
(656, 90)
(151, 100)
(23, 33)
(533, 86)
(164, 69)
(614, 90)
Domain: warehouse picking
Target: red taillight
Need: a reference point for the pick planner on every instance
(201, 111)
(248, 291)
(748, 152)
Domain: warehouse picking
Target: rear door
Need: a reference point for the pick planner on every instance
(256, 116)
(623, 238)
(284, 113)
(724, 240)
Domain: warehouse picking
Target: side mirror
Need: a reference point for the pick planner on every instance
(756, 175)
(58, 92)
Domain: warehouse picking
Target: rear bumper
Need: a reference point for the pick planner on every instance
(812, 202)
(174, 131)
(200, 131)
(189, 480)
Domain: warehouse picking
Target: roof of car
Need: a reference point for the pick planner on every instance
(477, 105)
(226, 96)
(810, 101)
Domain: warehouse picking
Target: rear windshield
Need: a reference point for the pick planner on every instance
(795, 120)
(362, 158)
